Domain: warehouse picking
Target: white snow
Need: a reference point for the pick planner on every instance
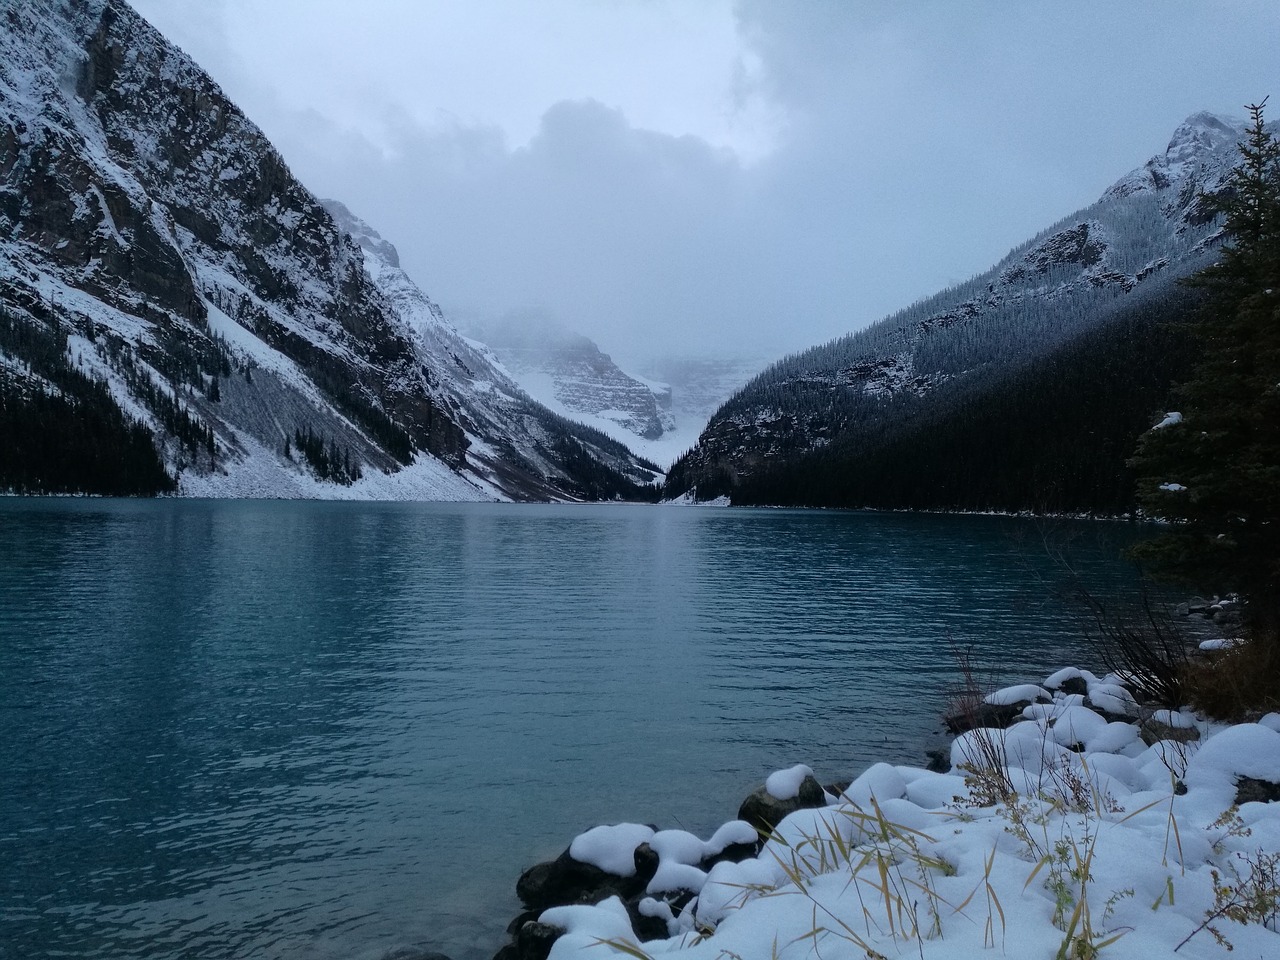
(1178, 720)
(909, 863)
(611, 848)
(1113, 698)
(1015, 694)
(735, 831)
(1058, 678)
(1245, 750)
(785, 784)
(878, 782)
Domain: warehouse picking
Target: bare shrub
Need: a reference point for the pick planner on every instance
(1239, 683)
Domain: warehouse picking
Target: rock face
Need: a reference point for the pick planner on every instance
(143, 216)
(1149, 229)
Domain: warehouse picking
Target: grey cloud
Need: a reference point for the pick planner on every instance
(918, 142)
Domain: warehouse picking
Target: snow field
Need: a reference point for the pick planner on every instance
(1115, 848)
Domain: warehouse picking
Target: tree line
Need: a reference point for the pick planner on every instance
(61, 431)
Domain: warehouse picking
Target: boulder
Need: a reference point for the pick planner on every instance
(564, 881)
(971, 716)
(938, 759)
(764, 811)
(534, 940)
(1153, 730)
(1073, 686)
(733, 853)
(1251, 790)
(520, 920)
(645, 926)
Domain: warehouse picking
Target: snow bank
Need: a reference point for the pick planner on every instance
(911, 863)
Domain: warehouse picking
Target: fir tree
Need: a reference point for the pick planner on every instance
(1217, 470)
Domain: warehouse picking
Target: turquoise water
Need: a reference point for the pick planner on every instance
(278, 729)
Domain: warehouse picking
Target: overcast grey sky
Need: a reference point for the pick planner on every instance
(710, 176)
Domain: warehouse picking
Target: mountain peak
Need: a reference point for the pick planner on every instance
(1201, 151)
(368, 238)
(1203, 134)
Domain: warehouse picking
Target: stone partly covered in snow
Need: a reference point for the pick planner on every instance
(612, 849)
(1070, 680)
(600, 863)
(1240, 765)
(877, 783)
(764, 809)
(998, 709)
(785, 784)
(1216, 644)
(1168, 725)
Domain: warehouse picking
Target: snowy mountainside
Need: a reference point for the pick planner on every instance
(159, 263)
(502, 421)
(696, 386)
(569, 373)
(1149, 229)
(658, 413)
(568, 370)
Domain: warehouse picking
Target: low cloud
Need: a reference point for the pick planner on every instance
(898, 148)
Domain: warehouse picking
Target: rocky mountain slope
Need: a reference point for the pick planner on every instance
(161, 267)
(838, 406)
(570, 373)
(657, 412)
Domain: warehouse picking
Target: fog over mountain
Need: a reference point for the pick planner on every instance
(717, 178)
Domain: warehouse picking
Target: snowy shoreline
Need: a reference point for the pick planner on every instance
(1090, 826)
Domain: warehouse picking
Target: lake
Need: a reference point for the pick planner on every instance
(234, 729)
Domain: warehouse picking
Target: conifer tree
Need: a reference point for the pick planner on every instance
(1217, 469)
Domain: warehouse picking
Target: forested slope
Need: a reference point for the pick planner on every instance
(1022, 388)
(1051, 436)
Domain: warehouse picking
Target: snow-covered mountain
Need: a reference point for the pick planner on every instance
(568, 372)
(1149, 229)
(696, 386)
(158, 258)
(657, 412)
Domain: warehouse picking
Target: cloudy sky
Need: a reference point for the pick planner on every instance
(710, 176)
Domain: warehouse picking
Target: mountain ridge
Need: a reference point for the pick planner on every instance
(1147, 230)
(146, 219)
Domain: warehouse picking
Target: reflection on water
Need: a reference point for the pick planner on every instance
(234, 729)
